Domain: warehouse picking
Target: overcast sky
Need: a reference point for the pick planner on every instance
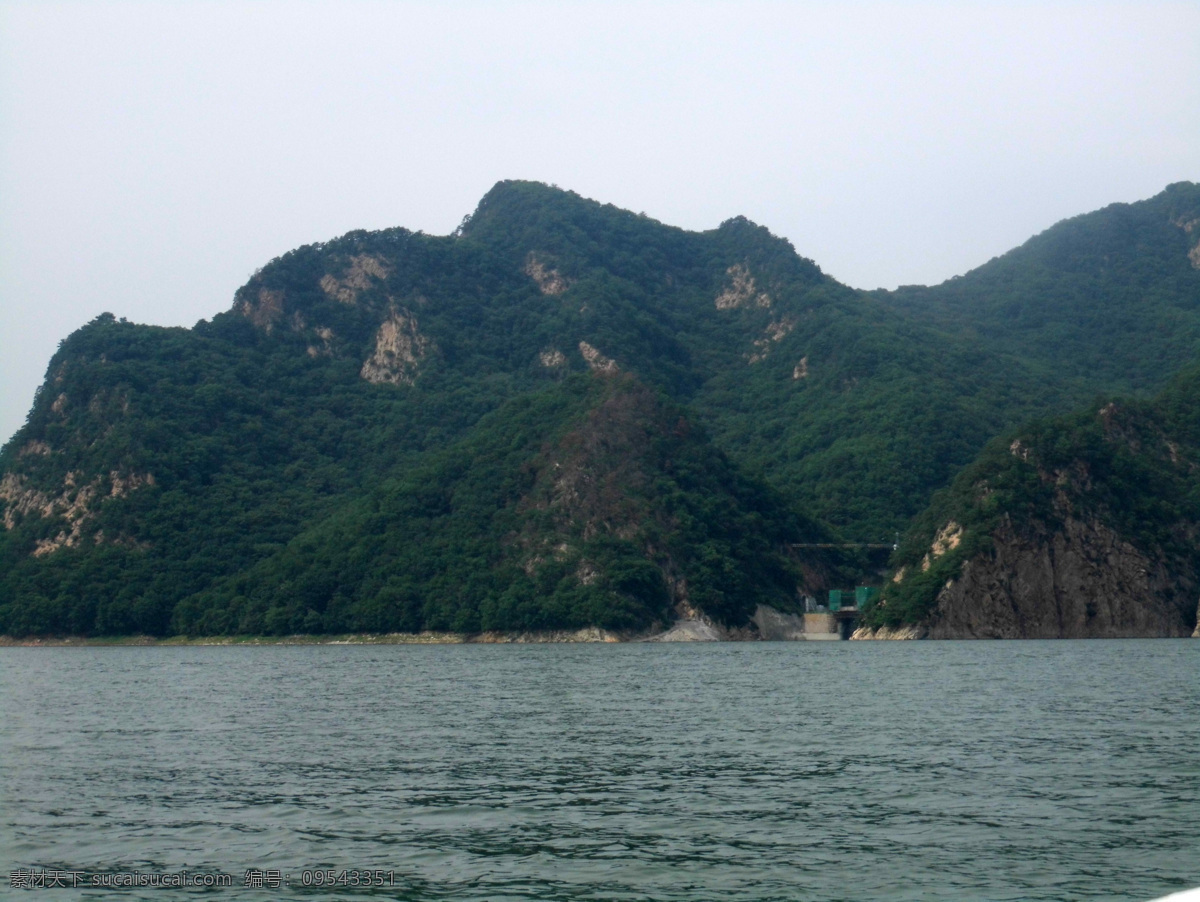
(153, 155)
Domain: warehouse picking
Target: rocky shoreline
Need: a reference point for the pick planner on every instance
(866, 633)
(767, 625)
(681, 631)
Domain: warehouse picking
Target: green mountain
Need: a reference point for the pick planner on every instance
(1073, 527)
(1105, 301)
(367, 439)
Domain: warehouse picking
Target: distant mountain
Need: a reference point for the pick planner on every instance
(267, 471)
(1077, 527)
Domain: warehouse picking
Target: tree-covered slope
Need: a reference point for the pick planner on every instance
(166, 477)
(155, 460)
(214, 481)
(1108, 300)
(1084, 525)
(593, 502)
(858, 409)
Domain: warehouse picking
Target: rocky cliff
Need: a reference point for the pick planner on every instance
(1081, 581)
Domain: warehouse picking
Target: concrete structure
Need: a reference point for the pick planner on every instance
(821, 626)
(838, 624)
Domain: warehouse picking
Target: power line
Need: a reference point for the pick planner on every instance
(842, 545)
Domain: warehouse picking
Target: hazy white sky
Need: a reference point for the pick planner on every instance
(152, 155)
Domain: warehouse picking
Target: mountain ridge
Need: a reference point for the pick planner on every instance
(158, 465)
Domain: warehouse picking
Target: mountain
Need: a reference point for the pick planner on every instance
(1084, 526)
(314, 458)
(1107, 301)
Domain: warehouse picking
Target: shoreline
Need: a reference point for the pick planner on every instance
(587, 634)
(766, 625)
(590, 635)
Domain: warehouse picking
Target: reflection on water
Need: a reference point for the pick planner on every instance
(819, 771)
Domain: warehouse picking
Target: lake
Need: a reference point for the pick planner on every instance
(735, 771)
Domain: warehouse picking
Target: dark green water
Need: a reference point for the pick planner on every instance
(807, 771)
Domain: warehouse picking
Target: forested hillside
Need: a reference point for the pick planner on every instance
(368, 438)
(1084, 525)
(1107, 300)
(593, 503)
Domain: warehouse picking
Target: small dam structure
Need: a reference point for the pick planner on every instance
(837, 618)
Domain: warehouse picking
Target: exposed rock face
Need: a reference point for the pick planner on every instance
(1189, 226)
(267, 307)
(356, 277)
(741, 290)
(325, 349)
(123, 485)
(947, 539)
(76, 505)
(552, 358)
(399, 348)
(801, 370)
(549, 281)
(884, 632)
(769, 625)
(1081, 582)
(690, 631)
(596, 360)
(263, 309)
(20, 500)
(776, 330)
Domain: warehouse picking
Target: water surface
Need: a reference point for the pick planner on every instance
(740, 771)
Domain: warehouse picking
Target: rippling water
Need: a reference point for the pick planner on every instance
(807, 771)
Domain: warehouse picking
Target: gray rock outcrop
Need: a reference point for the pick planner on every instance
(1080, 582)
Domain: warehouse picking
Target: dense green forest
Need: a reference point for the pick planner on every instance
(367, 439)
(575, 506)
(1108, 300)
